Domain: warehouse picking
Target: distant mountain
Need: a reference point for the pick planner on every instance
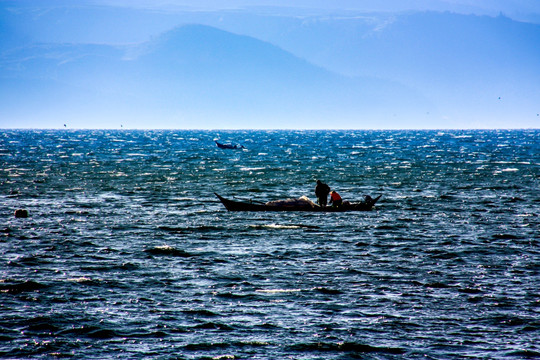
(421, 49)
(473, 68)
(268, 68)
(195, 75)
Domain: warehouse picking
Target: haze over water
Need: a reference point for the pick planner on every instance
(127, 252)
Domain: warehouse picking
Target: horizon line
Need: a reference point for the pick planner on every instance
(277, 129)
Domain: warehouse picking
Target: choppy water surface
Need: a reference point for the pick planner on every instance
(127, 253)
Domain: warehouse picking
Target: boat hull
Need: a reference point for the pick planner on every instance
(229, 146)
(233, 205)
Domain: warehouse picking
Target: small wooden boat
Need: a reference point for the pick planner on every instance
(301, 204)
(228, 146)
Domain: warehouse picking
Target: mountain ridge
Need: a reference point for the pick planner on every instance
(383, 72)
(195, 72)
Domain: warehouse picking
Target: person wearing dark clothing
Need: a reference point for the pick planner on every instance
(335, 199)
(321, 191)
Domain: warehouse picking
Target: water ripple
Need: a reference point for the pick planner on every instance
(127, 253)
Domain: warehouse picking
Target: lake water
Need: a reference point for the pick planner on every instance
(127, 253)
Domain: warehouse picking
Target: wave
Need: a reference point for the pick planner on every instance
(32, 260)
(17, 287)
(191, 230)
(506, 237)
(278, 291)
(152, 265)
(92, 332)
(213, 326)
(200, 312)
(286, 226)
(169, 251)
(203, 346)
(346, 347)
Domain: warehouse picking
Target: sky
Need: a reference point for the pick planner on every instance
(517, 9)
(240, 64)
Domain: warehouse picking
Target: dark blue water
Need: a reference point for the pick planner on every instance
(127, 253)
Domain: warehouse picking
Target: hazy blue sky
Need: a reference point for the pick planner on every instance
(487, 7)
(268, 64)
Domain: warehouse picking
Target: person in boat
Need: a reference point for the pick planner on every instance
(321, 191)
(335, 199)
